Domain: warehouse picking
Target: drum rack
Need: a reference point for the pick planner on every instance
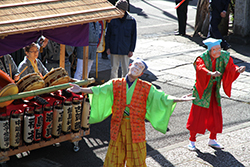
(73, 137)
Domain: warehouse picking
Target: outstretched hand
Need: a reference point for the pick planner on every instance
(241, 69)
(215, 74)
(75, 88)
(187, 97)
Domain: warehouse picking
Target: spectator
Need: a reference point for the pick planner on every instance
(8, 65)
(104, 53)
(93, 41)
(218, 10)
(42, 42)
(130, 100)
(212, 67)
(52, 57)
(31, 61)
(121, 40)
(182, 17)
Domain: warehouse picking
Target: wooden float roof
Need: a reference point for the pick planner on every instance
(20, 16)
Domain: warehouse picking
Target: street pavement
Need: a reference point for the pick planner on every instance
(236, 152)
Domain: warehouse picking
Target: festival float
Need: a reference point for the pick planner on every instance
(38, 111)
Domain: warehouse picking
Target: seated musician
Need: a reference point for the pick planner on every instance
(8, 65)
(34, 65)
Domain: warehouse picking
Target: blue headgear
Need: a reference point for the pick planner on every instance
(210, 42)
(146, 66)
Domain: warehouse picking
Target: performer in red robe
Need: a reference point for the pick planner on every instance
(212, 67)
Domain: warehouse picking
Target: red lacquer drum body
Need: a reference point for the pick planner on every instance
(7, 87)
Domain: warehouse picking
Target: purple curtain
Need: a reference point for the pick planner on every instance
(74, 36)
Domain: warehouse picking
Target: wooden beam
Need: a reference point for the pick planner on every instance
(56, 15)
(62, 55)
(26, 3)
(96, 66)
(7, 32)
(67, 137)
(49, 89)
(85, 62)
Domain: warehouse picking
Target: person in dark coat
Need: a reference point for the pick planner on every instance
(182, 17)
(104, 53)
(121, 40)
(218, 10)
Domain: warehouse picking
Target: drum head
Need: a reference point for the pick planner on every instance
(30, 82)
(61, 80)
(56, 76)
(35, 85)
(10, 89)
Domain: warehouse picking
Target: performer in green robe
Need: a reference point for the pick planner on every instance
(130, 101)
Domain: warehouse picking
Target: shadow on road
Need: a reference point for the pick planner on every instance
(221, 158)
(138, 11)
(158, 157)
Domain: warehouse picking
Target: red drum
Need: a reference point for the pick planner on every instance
(47, 122)
(7, 87)
(38, 125)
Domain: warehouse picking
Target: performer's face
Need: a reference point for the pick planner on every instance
(136, 68)
(33, 53)
(215, 51)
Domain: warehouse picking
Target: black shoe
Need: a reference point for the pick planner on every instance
(226, 47)
(205, 46)
(181, 34)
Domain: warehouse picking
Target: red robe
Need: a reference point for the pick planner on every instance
(201, 118)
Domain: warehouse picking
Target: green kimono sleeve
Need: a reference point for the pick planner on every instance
(159, 107)
(101, 102)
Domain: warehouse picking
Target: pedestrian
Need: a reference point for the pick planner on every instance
(212, 67)
(130, 100)
(104, 53)
(121, 40)
(182, 16)
(93, 41)
(218, 10)
(52, 56)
